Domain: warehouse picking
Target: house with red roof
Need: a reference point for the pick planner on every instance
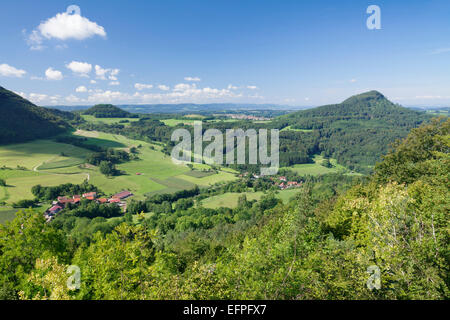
(55, 209)
(89, 195)
(122, 195)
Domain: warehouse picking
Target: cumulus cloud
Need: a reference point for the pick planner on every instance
(231, 87)
(93, 82)
(81, 89)
(105, 74)
(65, 26)
(114, 83)
(73, 99)
(252, 87)
(52, 74)
(142, 86)
(113, 74)
(80, 68)
(163, 87)
(193, 79)
(9, 71)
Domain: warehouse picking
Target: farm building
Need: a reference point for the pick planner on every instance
(122, 195)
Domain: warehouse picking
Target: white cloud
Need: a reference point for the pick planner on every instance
(80, 68)
(183, 87)
(105, 74)
(231, 87)
(9, 71)
(353, 80)
(114, 83)
(142, 86)
(73, 99)
(193, 79)
(22, 94)
(163, 87)
(64, 26)
(53, 74)
(37, 97)
(100, 72)
(113, 74)
(108, 96)
(81, 89)
(93, 82)
(252, 87)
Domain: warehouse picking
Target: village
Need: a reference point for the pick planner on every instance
(63, 201)
(284, 184)
(281, 182)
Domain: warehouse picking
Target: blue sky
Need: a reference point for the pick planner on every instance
(205, 51)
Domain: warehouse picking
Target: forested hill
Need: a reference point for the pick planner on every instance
(357, 131)
(21, 120)
(108, 111)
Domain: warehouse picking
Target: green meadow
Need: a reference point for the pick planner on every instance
(93, 119)
(289, 128)
(50, 163)
(316, 168)
(230, 199)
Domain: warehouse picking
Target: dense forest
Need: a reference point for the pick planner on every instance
(22, 121)
(356, 132)
(108, 111)
(323, 244)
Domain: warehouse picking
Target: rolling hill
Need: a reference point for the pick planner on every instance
(356, 132)
(22, 121)
(108, 111)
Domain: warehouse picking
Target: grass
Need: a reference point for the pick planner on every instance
(20, 188)
(316, 168)
(175, 122)
(50, 163)
(33, 154)
(199, 174)
(286, 195)
(153, 173)
(289, 128)
(93, 119)
(230, 199)
(7, 214)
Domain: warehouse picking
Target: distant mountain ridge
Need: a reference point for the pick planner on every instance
(22, 120)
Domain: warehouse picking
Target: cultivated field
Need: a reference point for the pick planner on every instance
(50, 163)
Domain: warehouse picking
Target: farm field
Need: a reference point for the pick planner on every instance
(39, 152)
(50, 163)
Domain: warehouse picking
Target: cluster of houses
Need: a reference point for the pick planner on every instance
(63, 202)
(281, 181)
(288, 184)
